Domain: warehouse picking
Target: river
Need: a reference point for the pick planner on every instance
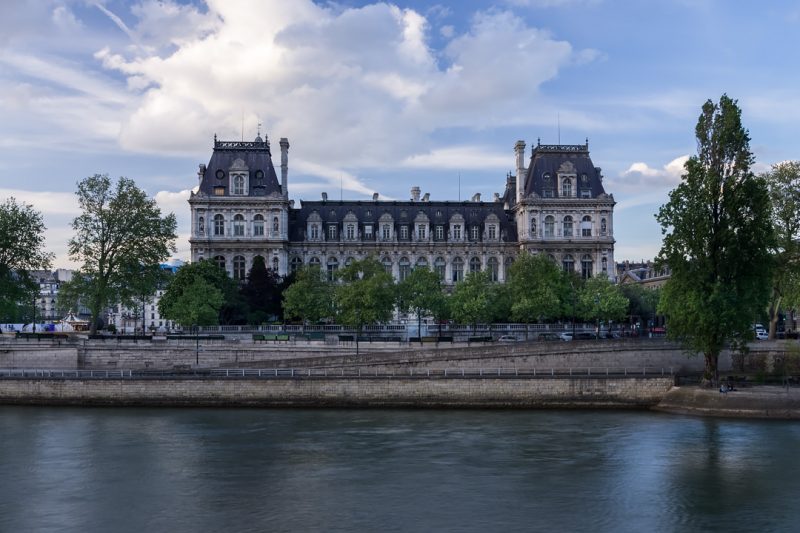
(195, 470)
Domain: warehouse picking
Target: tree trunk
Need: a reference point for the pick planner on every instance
(711, 372)
(774, 306)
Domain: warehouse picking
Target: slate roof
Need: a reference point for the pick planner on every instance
(547, 159)
(256, 156)
(367, 211)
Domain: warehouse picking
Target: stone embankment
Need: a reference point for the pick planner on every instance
(750, 402)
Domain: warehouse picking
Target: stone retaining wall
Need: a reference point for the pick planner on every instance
(336, 392)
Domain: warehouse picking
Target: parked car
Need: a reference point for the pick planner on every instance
(762, 335)
(548, 336)
(565, 336)
(508, 338)
(584, 336)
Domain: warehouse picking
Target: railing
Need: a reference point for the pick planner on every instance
(297, 373)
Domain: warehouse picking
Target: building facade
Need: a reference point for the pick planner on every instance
(556, 205)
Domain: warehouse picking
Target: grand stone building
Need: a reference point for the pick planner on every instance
(556, 206)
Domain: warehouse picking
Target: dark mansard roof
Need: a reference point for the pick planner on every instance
(366, 211)
(548, 160)
(255, 155)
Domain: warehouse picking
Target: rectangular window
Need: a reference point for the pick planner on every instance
(387, 232)
(586, 232)
(474, 230)
(314, 231)
(421, 232)
(439, 233)
(368, 231)
(404, 232)
(332, 232)
(219, 191)
(457, 232)
(492, 231)
(351, 232)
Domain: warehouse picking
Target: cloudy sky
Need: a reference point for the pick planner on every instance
(378, 97)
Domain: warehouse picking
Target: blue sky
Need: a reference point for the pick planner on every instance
(378, 97)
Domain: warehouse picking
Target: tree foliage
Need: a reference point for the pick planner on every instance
(262, 292)
(187, 284)
(600, 299)
(310, 297)
(21, 250)
(366, 294)
(474, 300)
(538, 288)
(783, 181)
(421, 292)
(119, 230)
(717, 235)
(643, 303)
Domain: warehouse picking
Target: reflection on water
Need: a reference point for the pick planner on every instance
(68, 469)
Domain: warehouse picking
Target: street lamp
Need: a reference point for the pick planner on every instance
(360, 275)
(196, 329)
(597, 315)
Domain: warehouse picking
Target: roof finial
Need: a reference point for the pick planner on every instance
(587, 142)
(258, 133)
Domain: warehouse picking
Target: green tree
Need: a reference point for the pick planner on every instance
(182, 290)
(473, 300)
(21, 250)
(643, 302)
(601, 300)
(783, 181)
(365, 296)
(538, 289)
(310, 297)
(421, 293)
(119, 230)
(717, 235)
(262, 292)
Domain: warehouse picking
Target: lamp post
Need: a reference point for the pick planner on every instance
(597, 315)
(360, 275)
(33, 322)
(196, 329)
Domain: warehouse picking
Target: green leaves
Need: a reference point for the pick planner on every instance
(181, 300)
(367, 296)
(309, 298)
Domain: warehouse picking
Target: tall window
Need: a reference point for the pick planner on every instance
(333, 266)
(492, 231)
(603, 227)
(474, 232)
(568, 263)
(549, 226)
(238, 185)
(351, 232)
(332, 232)
(586, 226)
(439, 267)
(219, 225)
(238, 226)
(314, 231)
(238, 268)
(201, 226)
(494, 268)
(533, 227)
(457, 232)
(258, 226)
(458, 269)
(421, 232)
(220, 261)
(276, 226)
(314, 261)
(405, 268)
(567, 226)
(368, 231)
(439, 233)
(387, 264)
(475, 264)
(421, 263)
(586, 266)
(386, 232)
(404, 232)
(566, 188)
(295, 264)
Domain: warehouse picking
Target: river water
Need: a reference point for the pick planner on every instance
(187, 470)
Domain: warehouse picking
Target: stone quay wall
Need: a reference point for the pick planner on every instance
(558, 392)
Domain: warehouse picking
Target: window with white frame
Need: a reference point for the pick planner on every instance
(368, 231)
(567, 226)
(332, 232)
(494, 268)
(492, 231)
(258, 226)
(386, 232)
(238, 226)
(458, 269)
(405, 268)
(404, 232)
(351, 232)
(238, 184)
(549, 226)
(439, 266)
(474, 233)
(566, 188)
(314, 231)
(586, 226)
(457, 232)
(421, 232)
(474, 264)
(238, 268)
(439, 233)
(219, 225)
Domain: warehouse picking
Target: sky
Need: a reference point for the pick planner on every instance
(379, 97)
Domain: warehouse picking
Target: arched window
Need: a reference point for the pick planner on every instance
(421, 263)
(405, 268)
(314, 261)
(238, 185)
(587, 266)
(238, 267)
(603, 227)
(475, 264)
(566, 188)
(549, 226)
(494, 268)
(201, 226)
(238, 226)
(219, 225)
(258, 226)
(387, 264)
(586, 226)
(220, 261)
(333, 266)
(568, 263)
(458, 269)
(276, 226)
(275, 264)
(295, 264)
(533, 227)
(567, 226)
(439, 267)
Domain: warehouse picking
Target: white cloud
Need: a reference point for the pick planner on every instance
(46, 202)
(461, 157)
(642, 178)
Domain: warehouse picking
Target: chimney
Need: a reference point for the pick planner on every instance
(476, 197)
(324, 197)
(285, 166)
(519, 150)
(426, 197)
(375, 197)
(415, 192)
